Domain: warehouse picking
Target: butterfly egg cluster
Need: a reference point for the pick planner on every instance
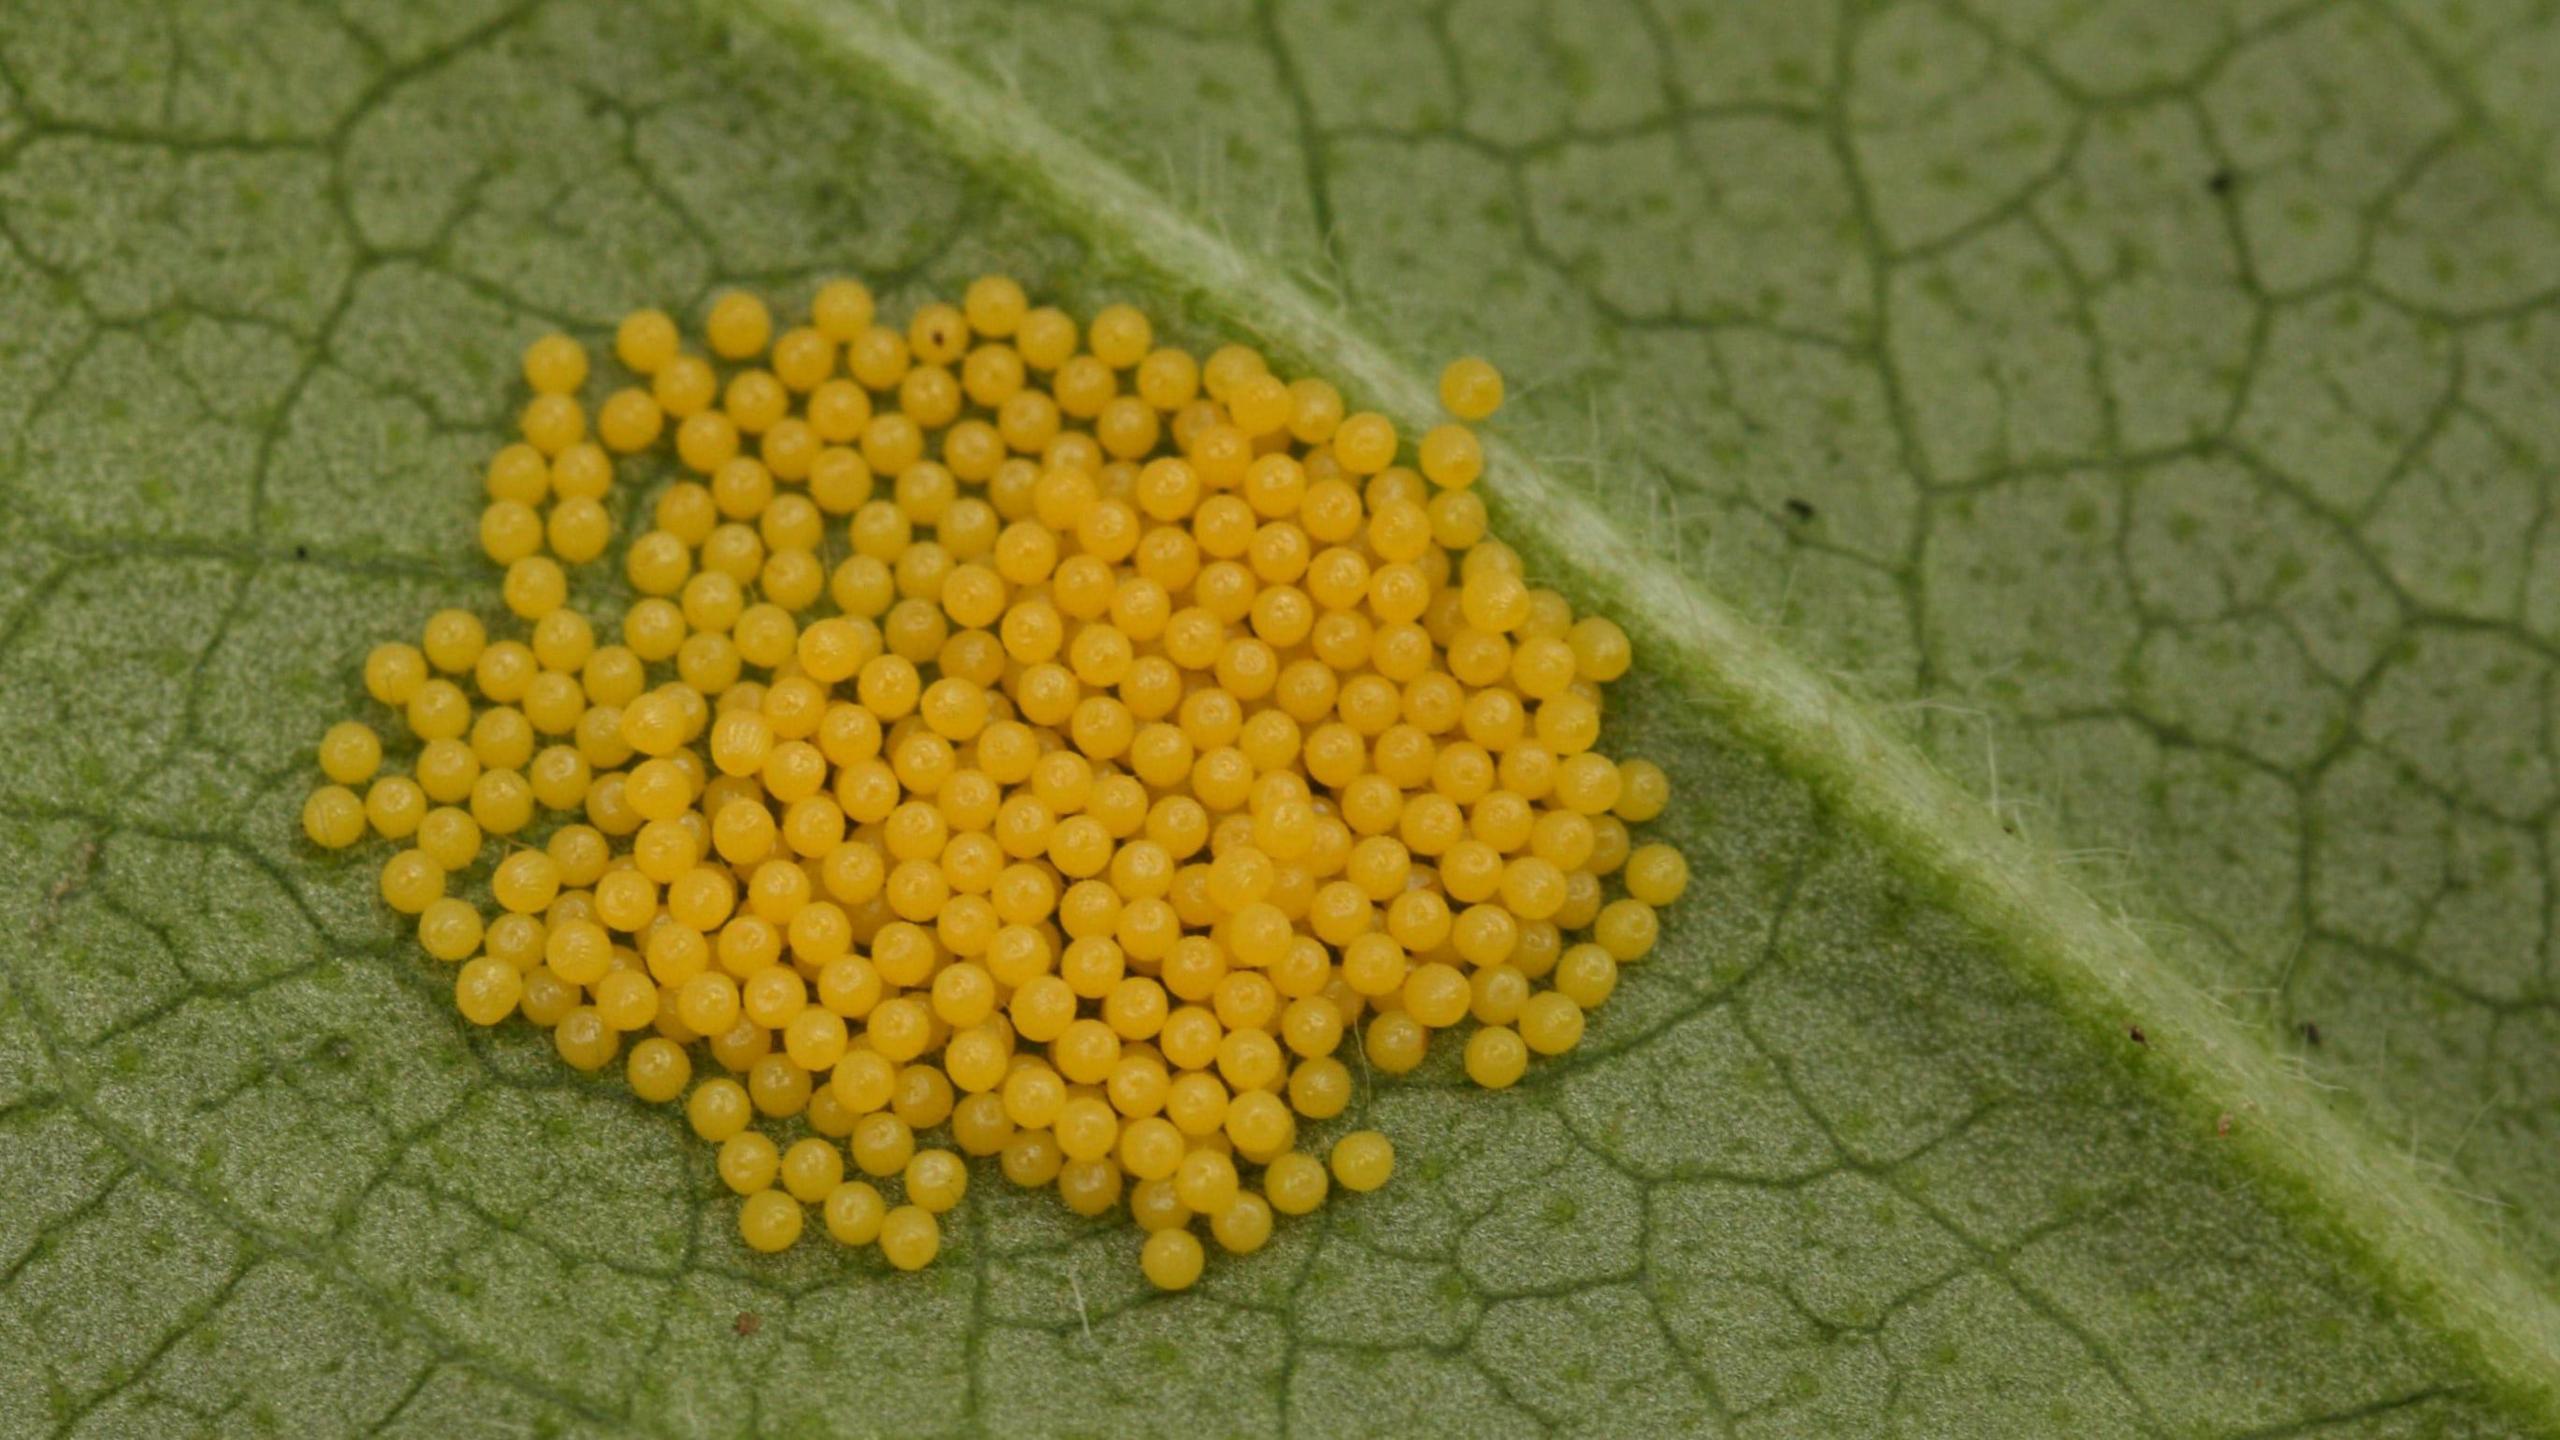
(1024, 732)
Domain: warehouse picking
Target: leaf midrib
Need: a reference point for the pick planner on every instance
(2379, 1208)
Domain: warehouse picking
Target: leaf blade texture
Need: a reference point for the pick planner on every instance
(1937, 388)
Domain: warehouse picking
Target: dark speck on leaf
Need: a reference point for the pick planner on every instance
(301, 552)
(1800, 511)
(749, 1322)
(2219, 182)
(2135, 1033)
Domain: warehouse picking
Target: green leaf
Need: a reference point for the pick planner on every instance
(2132, 416)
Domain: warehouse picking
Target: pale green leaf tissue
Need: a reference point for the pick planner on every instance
(2080, 474)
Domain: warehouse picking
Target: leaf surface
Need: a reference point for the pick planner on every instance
(2118, 404)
